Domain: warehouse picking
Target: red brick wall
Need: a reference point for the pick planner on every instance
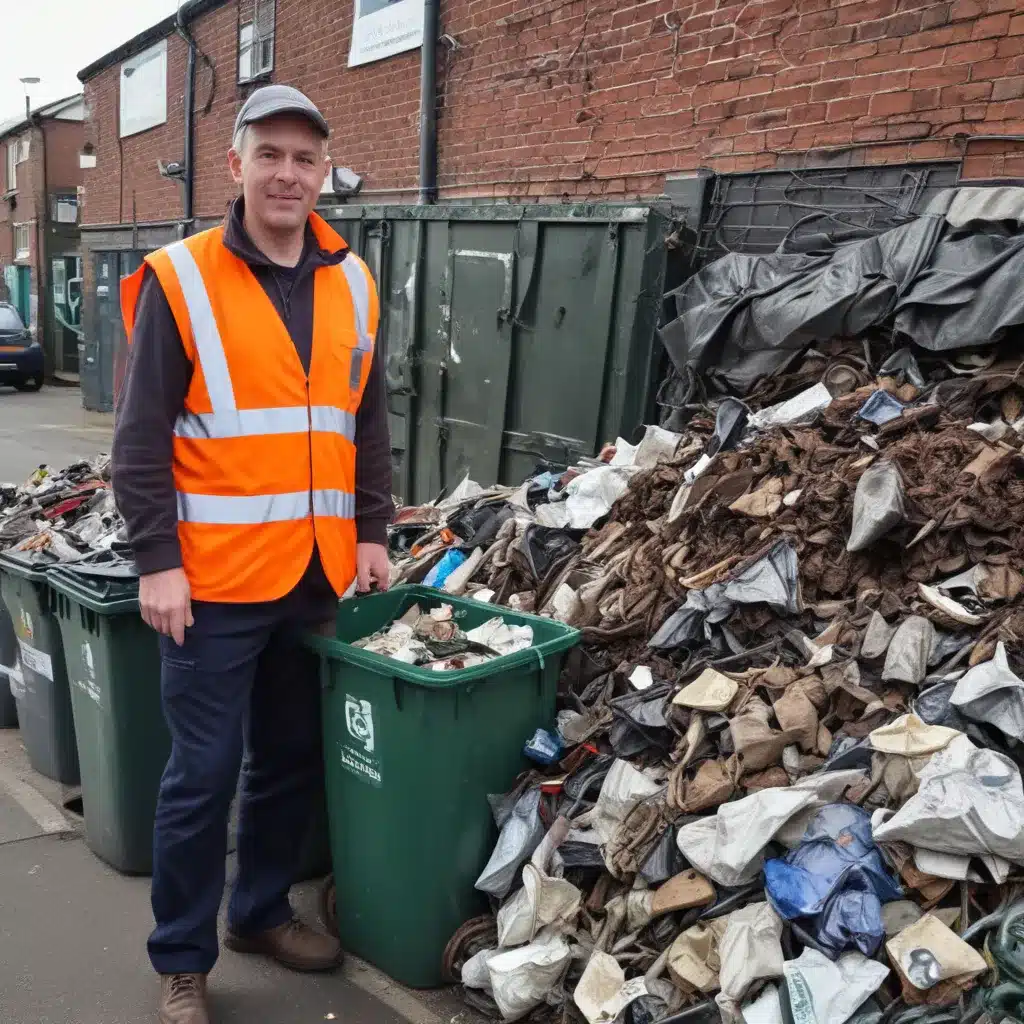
(604, 98)
(30, 185)
(581, 98)
(126, 169)
(6, 214)
(373, 110)
(63, 144)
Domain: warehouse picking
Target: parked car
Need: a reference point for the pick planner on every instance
(21, 356)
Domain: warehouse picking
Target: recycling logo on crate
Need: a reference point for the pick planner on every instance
(359, 747)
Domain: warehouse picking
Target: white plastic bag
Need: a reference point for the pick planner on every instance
(521, 979)
(727, 847)
(970, 802)
(991, 693)
(544, 902)
(823, 992)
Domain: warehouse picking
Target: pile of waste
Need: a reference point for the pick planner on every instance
(434, 640)
(62, 515)
(784, 785)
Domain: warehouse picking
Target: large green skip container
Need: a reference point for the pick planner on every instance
(42, 697)
(410, 757)
(113, 662)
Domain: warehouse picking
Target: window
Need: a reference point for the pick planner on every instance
(64, 209)
(22, 241)
(256, 42)
(144, 90)
(17, 153)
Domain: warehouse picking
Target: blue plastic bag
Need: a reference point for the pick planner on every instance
(852, 920)
(444, 568)
(837, 876)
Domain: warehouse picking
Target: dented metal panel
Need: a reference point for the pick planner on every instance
(513, 334)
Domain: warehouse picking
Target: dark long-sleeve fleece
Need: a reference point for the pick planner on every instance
(157, 380)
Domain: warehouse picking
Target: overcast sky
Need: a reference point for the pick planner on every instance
(52, 40)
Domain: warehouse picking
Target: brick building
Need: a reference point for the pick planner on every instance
(552, 101)
(40, 261)
(571, 98)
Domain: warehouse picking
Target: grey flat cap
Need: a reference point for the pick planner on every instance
(271, 100)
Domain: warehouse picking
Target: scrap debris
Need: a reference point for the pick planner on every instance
(62, 516)
(434, 640)
(799, 702)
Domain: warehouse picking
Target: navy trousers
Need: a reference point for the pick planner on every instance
(242, 682)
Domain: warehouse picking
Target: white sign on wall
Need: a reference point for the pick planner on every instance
(144, 90)
(382, 28)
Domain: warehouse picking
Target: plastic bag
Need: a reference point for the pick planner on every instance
(544, 901)
(991, 693)
(970, 802)
(728, 846)
(878, 505)
(818, 991)
(623, 788)
(838, 875)
(520, 835)
(750, 950)
(522, 978)
(909, 651)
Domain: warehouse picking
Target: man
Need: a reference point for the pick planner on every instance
(252, 466)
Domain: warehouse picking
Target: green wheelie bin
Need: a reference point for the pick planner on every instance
(113, 661)
(410, 757)
(42, 695)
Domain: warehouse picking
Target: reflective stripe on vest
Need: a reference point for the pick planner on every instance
(253, 509)
(360, 292)
(253, 422)
(209, 347)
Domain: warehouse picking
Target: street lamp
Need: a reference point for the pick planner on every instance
(26, 82)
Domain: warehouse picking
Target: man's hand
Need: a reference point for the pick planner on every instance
(373, 566)
(165, 600)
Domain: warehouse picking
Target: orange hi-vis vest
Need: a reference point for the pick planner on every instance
(264, 457)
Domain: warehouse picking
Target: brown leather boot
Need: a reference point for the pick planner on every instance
(294, 945)
(183, 999)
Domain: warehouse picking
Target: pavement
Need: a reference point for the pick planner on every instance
(72, 930)
(47, 426)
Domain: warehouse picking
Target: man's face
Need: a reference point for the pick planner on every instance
(281, 169)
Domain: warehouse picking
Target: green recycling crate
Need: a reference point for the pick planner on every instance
(113, 662)
(42, 695)
(411, 756)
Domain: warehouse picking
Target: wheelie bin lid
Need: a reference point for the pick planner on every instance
(25, 565)
(359, 617)
(96, 590)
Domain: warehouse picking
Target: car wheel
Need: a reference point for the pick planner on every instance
(33, 384)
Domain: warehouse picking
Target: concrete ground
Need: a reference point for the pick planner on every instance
(47, 426)
(73, 931)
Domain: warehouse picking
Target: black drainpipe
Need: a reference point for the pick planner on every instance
(428, 102)
(190, 117)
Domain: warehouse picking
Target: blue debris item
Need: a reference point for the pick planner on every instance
(852, 920)
(544, 747)
(837, 877)
(880, 408)
(444, 568)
